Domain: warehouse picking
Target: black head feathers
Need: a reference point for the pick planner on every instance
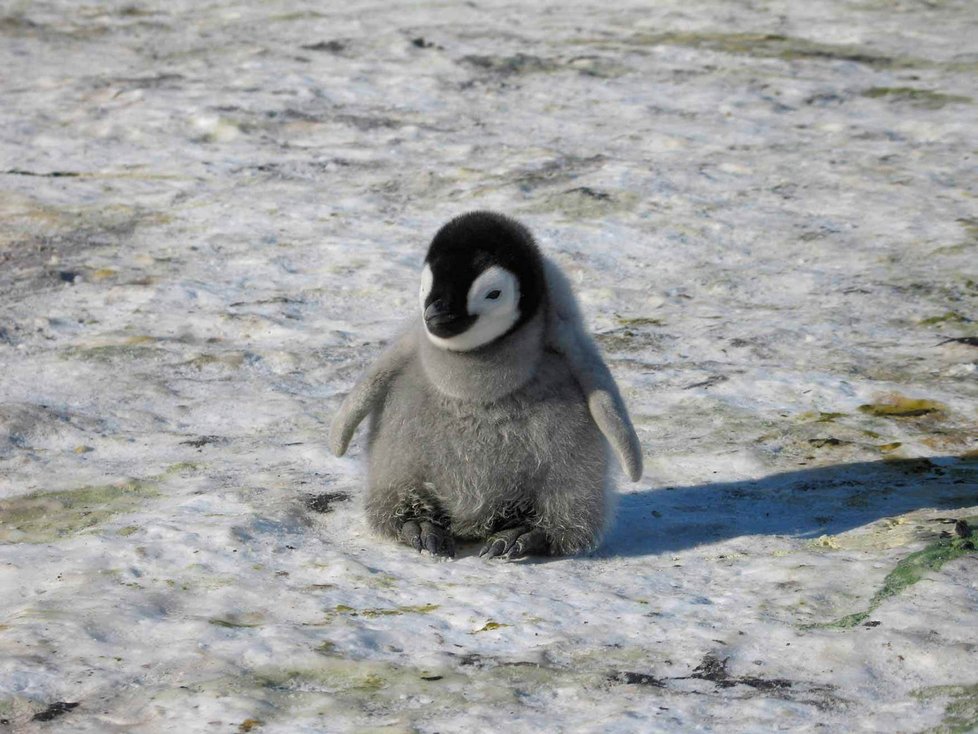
(470, 244)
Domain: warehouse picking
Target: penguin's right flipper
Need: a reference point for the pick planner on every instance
(567, 335)
(369, 391)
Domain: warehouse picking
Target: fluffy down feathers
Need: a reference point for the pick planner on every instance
(514, 433)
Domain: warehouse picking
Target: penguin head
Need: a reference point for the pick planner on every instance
(482, 280)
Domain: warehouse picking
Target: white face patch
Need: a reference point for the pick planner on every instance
(493, 299)
(426, 280)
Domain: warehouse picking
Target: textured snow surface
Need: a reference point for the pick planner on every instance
(212, 216)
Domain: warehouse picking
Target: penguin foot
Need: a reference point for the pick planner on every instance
(514, 543)
(423, 535)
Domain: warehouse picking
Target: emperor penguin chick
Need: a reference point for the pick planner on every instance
(492, 416)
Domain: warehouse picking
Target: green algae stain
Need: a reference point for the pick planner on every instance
(812, 416)
(237, 621)
(232, 360)
(382, 581)
(313, 686)
(43, 517)
(898, 406)
(584, 202)
(490, 626)
(406, 609)
(638, 321)
(911, 570)
(326, 647)
(926, 99)
(389, 612)
(334, 675)
(14, 708)
(961, 712)
(850, 620)
(766, 45)
(970, 225)
(181, 467)
(915, 566)
(948, 317)
(371, 682)
(114, 352)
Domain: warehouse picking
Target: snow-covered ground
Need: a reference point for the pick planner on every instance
(212, 215)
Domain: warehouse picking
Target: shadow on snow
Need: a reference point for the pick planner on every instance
(801, 504)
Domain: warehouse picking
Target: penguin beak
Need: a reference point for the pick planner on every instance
(442, 321)
(438, 314)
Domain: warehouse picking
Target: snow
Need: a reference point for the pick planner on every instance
(769, 213)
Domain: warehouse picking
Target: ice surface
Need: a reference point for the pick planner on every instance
(212, 215)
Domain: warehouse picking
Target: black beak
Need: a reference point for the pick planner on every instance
(438, 313)
(444, 322)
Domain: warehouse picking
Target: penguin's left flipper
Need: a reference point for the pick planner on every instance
(609, 413)
(517, 542)
(566, 335)
(369, 391)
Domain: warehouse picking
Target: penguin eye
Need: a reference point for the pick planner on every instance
(493, 295)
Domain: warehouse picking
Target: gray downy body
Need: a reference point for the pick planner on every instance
(485, 440)
(493, 416)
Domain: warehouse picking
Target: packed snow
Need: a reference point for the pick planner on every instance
(213, 216)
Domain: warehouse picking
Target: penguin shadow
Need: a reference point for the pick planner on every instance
(802, 504)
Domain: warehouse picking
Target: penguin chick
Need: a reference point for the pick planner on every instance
(493, 414)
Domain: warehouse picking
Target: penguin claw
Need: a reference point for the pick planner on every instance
(438, 541)
(493, 548)
(411, 535)
(518, 550)
(532, 543)
(515, 543)
(427, 536)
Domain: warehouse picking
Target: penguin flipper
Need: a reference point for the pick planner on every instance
(567, 335)
(369, 391)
